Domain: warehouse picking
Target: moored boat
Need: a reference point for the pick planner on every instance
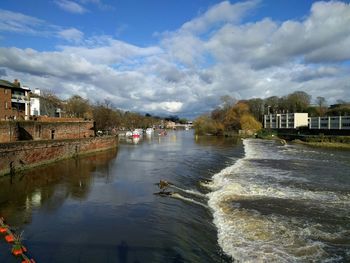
(149, 131)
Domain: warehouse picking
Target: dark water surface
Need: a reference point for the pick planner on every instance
(102, 208)
(266, 203)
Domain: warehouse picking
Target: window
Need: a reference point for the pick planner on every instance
(6, 106)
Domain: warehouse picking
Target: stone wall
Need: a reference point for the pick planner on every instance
(8, 131)
(27, 154)
(11, 131)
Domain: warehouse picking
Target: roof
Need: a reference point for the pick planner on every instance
(8, 84)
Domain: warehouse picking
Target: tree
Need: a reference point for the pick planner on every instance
(206, 125)
(272, 104)
(183, 121)
(339, 110)
(322, 105)
(233, 115)
(49, 102)
(256, 107)
(173, 118)
(50, 97)
(78, 107)
(105, 116)
(249, 123)
(227, 102)
(298, 101)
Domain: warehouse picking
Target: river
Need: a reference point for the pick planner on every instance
(266, 203)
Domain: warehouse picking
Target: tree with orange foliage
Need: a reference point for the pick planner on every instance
(249, 123)
(234, 118)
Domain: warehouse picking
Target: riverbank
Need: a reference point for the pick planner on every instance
(321, 140)
(333, 145)
(23, 155)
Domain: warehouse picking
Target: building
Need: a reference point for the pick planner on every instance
(41, 106)
(35, 103)
(170, 125)
(330, 123)
(14, 101)
(285, 121)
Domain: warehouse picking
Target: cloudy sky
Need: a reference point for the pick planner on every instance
(177, 57)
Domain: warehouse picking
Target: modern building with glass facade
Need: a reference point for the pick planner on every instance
(285, 121)
(330, 123)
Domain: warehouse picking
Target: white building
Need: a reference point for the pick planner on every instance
(285, 121)
(35, 104)
(330, 122)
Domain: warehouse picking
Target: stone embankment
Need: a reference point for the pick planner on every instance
(20, 155)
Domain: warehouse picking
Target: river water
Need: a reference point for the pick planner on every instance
(265, 203)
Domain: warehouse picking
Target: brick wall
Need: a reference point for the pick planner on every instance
(34, 130)
(27, 154)
(5, 98)
(8, 131)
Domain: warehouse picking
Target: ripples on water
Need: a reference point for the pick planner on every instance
(284, 204)
(266, 203)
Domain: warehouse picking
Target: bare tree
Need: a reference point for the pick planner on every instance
(321, 105)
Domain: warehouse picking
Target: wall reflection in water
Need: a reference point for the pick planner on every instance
(47, 187)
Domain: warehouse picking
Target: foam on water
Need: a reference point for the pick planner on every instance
(178, 196)
(189, 191)
(250, 236)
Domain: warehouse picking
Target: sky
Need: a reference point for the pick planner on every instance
(166, 57)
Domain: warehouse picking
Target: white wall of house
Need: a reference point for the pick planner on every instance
(26, 103)
(35, 104)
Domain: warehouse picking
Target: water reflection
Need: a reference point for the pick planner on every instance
(102, 208)
(49, 186)
(216, 141)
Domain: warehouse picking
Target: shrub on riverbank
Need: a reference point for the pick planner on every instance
(204, 125)
(266, 134)
(234, 118)
(327, 139)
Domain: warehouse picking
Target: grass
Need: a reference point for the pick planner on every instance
(337, 145)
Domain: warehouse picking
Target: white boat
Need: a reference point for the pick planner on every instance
(128, 134)
(149, 131)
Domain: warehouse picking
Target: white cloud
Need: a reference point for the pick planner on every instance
(112, 51)
(71, 35)
(223, 12)
(169, 106)
(192, 67)
(71, 6)
(20, 23)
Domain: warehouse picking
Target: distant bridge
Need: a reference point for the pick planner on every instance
(183, 126)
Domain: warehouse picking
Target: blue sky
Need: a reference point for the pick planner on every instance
(177, 57)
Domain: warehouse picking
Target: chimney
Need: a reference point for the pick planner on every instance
(17, 83)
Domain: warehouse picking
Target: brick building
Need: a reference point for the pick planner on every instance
(14, 101)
